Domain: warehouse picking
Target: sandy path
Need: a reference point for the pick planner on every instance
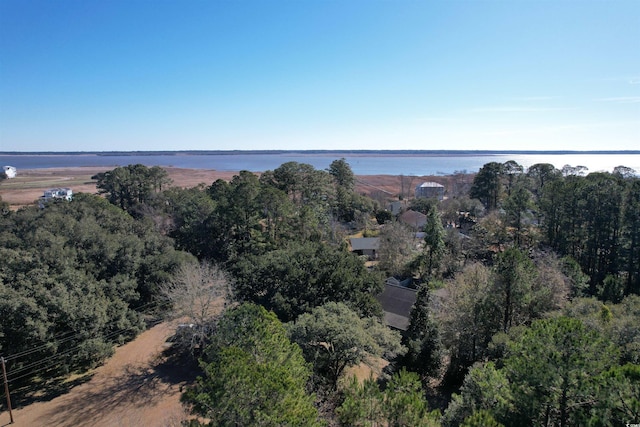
(135, 387)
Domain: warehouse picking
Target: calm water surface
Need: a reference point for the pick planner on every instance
(361, 164)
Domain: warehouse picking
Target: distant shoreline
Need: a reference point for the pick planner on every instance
(381, 153)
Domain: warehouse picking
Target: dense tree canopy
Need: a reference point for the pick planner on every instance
(502, 288)
(333, 337)
(74, 278)
(422, 338)
(131, 185)
(295, 279)
(487, 185)
(594, 219)
(401, 403)
(254, 376)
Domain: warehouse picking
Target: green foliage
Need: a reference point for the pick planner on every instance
(618, 322)
(619, 401)
(295, 279)
(383, 216)
(631, 235)
(433, 250)
(362, 405)
(612, 289)
(469, 318)
(334, 337)
(342, 174)
(594, 219)
(481, 418)
(303, 183)
(487, 186)
(538, 176)
(423, 205)
(350, 206)
(512, 286)
(188, 210)
(556, 369)
(578, 281)
(482, 302)
(71, 278)
(402, 403)
(516, 206)
(485, 389)
(129, 186)
(556, 372)
(512, 172)
(4, 207)
(254, 376)
(294, 202)
(424, 349)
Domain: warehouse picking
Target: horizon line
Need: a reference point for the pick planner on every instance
(312, 151)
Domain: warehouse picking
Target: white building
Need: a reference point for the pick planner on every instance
(57, 193)
(430, 190)
(10, 171)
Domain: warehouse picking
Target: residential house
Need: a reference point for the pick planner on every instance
(397, 301)
(414, 219)
(367, 246)
(430, 190)
(56, 194)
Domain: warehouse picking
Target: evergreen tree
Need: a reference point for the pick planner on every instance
(254, 376)
(555, 368)
(434, 247)
(487, 186)
(401, 404)
(424, 354)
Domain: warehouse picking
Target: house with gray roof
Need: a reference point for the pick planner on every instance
(365, 246)
(397, 302)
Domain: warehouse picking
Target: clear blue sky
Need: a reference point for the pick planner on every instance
(319, 74)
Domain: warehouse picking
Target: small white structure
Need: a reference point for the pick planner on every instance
(430, 190)
(56, 194)
(10, 171)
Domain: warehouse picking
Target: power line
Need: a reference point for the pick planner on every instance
(157, 303)
(33, 350)
(59, 355)
(28, 370)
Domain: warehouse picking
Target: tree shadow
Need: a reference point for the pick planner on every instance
(177, 367)
(137, 386)
(45, 391)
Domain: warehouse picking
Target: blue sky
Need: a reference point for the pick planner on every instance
(319, 74)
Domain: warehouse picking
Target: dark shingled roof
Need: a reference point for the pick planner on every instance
(397, 302)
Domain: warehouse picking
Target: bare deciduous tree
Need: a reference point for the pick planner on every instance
(198, 294)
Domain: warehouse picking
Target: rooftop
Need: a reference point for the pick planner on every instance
(430, 184)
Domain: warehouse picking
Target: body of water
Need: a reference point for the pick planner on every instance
(418, 164)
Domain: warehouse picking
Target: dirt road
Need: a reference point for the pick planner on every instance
(136, 387)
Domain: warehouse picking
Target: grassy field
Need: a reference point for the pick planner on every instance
(29, 185)
(25, 183)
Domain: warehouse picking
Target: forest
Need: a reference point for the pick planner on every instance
(527, 285)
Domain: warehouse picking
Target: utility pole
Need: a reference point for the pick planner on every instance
(6, 388)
